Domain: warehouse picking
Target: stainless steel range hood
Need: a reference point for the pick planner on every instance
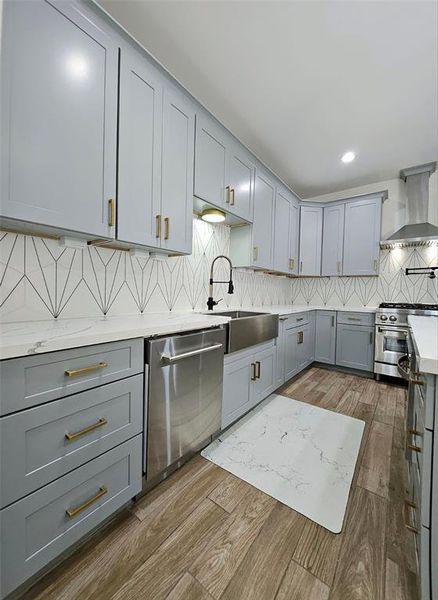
(417, 230)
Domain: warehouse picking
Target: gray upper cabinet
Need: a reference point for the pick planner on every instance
(262, 228)
(333, 239)
(310, 240)
(138, 210)
(362, 236)
(286, 232)
(58, 118)
(241, 182)
(325, 336)
(210, 161)
(156, 153)
(177, 172)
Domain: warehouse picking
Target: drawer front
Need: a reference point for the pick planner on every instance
(297, 320)
(43, 443)
(33, 380)
(356, 318)
(36, 529)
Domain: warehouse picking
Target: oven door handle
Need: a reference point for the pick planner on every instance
(168, 360)
(392, 330)
(405, 373)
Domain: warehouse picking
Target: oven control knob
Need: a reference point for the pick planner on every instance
(383, 318)
(392, 318)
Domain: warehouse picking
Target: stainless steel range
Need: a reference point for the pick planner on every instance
(392, 329)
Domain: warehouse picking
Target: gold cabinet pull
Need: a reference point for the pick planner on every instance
(410, 446)
(90, 369)
(72, 512)
(409, 504)
(255, 253)
(166, 228)
(253, 372)
(228, 194)
(158, 226)
(232, 196)
(111, 212)
(291, 264)
(77, 434)
(259, 369)
(300, 337)
(301, 266)
(416, 381)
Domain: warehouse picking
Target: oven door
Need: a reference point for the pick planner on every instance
(391, 344)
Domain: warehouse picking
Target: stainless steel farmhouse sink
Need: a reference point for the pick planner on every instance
(248, 328)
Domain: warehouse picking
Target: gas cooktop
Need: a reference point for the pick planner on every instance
(408, 306)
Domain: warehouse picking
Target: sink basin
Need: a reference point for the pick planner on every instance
(248, 328)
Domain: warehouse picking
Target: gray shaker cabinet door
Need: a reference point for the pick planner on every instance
(333, 240)
(355, 346)
(59, 117)
(140, 119)
(237, 390)
(325, 336)
(310, 240)
(362, 236)
(210, 162)
(282, 232)
(294, 229)
(177, 172)
(262, 228)
(241, 181)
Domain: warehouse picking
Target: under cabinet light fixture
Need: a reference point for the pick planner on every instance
(348, 157)
(213, 215)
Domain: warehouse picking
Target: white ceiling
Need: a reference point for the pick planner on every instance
(301, 82)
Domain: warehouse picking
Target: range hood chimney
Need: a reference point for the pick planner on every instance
(417, 231)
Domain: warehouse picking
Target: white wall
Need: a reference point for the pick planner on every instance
(394, 208)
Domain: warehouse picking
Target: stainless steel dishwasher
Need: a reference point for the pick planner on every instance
(184, 381)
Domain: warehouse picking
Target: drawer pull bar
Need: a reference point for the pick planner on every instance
(416, 381)
(259, 369)
(72, 512)
(409, 527)
(353, 318)
(77, 434)
(253, 372)
(90, 369)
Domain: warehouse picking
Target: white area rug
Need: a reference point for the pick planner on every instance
(301, 455)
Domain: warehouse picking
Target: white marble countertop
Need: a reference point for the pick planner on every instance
(425, 335)
(36, 337)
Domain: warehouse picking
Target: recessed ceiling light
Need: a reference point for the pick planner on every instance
(348, 157)
(213, 215)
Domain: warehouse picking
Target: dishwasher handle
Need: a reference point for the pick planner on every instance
(169, 360)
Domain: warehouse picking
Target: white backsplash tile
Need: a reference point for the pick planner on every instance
(39, 280)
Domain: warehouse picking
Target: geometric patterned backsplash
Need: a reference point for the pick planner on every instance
(41, 280)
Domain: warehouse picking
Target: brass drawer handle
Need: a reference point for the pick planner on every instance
(228, 194)
(77, 434)
(300, 337)
(409, 446)
(90, 369)
(158, 226)
(416, 381)
(259, 369)
(253, 372)
(255, 253)
(353, 318)
(409, 527)
(166, 228)
(111, 212)
(415, 432)
(232, 196)
(72, 512)
(291, 264)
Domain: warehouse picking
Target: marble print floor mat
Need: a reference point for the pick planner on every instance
(301, 455)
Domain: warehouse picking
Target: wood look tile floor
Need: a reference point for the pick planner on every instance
(203, 534)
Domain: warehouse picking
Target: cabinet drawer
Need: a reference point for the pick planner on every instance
(356, 318)
(36, 379)
(43, 443)
(297, 320)
(38, 528)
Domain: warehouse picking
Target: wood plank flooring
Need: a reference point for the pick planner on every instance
(203, 534)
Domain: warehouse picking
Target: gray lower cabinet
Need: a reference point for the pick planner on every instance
(59, 117)
(43, 443)
(355, 346)
(36, 529)
(249, 377)
(39, 378)
(325, 336)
